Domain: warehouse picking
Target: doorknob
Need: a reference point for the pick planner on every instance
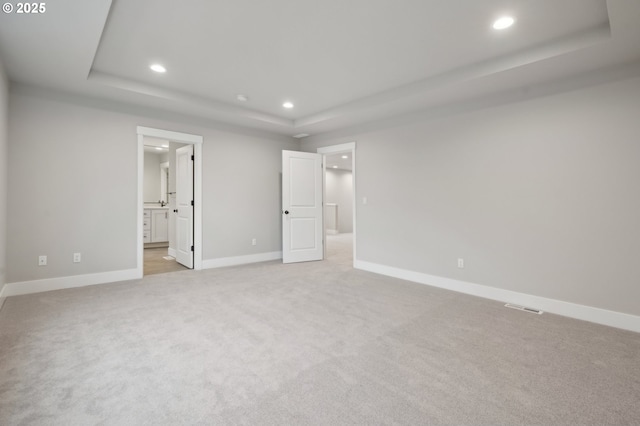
(286, 212)
(175, 210)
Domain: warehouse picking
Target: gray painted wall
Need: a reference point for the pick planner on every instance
(64, 198)
(339, 190)
(539, 197)
(4, 176)
(152, 193)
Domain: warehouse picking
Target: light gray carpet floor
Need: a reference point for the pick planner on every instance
(306, 344)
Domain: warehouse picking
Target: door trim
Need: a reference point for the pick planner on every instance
(336, 149)
(196, 141)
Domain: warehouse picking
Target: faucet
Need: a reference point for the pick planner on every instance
(162, 203)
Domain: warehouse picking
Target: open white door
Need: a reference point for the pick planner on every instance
(184, 205)
(301, 207)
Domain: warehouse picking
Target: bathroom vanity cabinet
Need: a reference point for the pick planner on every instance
(156, 224)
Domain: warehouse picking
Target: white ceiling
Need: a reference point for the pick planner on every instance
(340, 62)
(336, 161)
(152, 144)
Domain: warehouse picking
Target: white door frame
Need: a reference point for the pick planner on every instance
(349, 147)
(186, 138)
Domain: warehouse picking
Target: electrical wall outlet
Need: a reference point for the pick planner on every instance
(77, 257)
(460, 263)
(254, 242)
(42, 260)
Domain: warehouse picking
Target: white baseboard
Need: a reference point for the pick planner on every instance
(332, 232)
(48, 284)
(172, 252)
(37, 286)
(241, 260)
(568, 309)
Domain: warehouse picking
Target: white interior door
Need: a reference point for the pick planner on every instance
(301, 206)
(184, 205)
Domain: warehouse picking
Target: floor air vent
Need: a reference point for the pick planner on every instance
(522, 308)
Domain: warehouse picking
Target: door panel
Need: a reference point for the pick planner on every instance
(184, 205)
(301, 207)
(303, 234)
(303, 171)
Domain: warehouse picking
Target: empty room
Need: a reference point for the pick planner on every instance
(320, 212)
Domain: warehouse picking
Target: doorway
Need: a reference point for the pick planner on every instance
(160, 205)
(339, 202)
(158, 245)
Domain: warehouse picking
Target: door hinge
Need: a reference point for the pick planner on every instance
(192, 202)
(191, 248)
(192, 158)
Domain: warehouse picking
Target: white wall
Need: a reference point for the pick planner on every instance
(539, 197)
(64, 199)
(171, 159)
(152, 193)
(4, 124)
(339, 190)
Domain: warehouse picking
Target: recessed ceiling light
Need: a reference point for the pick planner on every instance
(335, 167)
(503, 23)
(158, 68)
(287, 104)
(345, 156)
(242, 98)
(159, 148)
(165, 146)
(301, 135)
